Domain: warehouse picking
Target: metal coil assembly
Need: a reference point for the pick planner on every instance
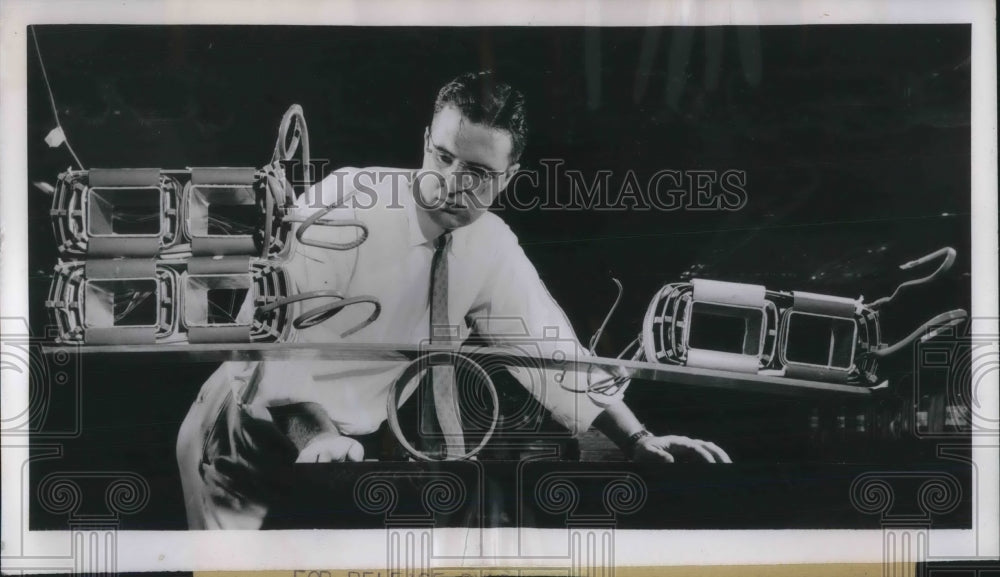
(745, 328)
(106, 302)
(115, 212)
(189, 255)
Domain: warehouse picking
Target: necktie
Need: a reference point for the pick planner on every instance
(442, 395)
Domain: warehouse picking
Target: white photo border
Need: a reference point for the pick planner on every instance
(39, 551)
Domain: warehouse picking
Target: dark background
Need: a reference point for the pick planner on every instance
(854, 139)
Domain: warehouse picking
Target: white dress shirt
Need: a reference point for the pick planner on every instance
(492, 289)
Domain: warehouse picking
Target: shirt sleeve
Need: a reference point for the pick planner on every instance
(514, 310)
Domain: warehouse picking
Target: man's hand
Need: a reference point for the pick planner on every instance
(669, 448)
(331, 447)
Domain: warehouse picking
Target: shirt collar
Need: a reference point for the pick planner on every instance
(423, 230)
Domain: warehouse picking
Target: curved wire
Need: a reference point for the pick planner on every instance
(314, 220)
(597, 335)
(940, 322)
(949, 259)
(412, 370)
(322, 313)
(636, 341)
(284, 152)
(135, 299)
(608, 386)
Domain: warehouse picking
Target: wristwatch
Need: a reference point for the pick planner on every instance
(633, 440)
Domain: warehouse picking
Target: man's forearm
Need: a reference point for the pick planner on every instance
(618, 423)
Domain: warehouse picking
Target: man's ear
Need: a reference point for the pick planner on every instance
(509, 173)
(427, 138)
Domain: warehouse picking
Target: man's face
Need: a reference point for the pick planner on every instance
(466, 166)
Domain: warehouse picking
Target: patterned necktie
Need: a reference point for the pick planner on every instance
(442, 395)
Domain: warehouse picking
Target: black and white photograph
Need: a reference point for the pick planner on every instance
(468, 291)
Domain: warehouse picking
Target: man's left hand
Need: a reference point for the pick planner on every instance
(670, 448)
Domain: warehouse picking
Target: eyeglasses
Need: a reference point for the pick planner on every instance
(444, 159)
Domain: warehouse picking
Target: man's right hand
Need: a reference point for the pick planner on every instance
(310, 429)
(331, 448)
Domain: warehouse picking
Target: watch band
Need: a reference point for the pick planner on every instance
(633, 440)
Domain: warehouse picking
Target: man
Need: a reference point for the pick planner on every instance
(432, 255)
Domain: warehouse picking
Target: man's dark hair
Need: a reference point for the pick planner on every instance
(484, 99)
